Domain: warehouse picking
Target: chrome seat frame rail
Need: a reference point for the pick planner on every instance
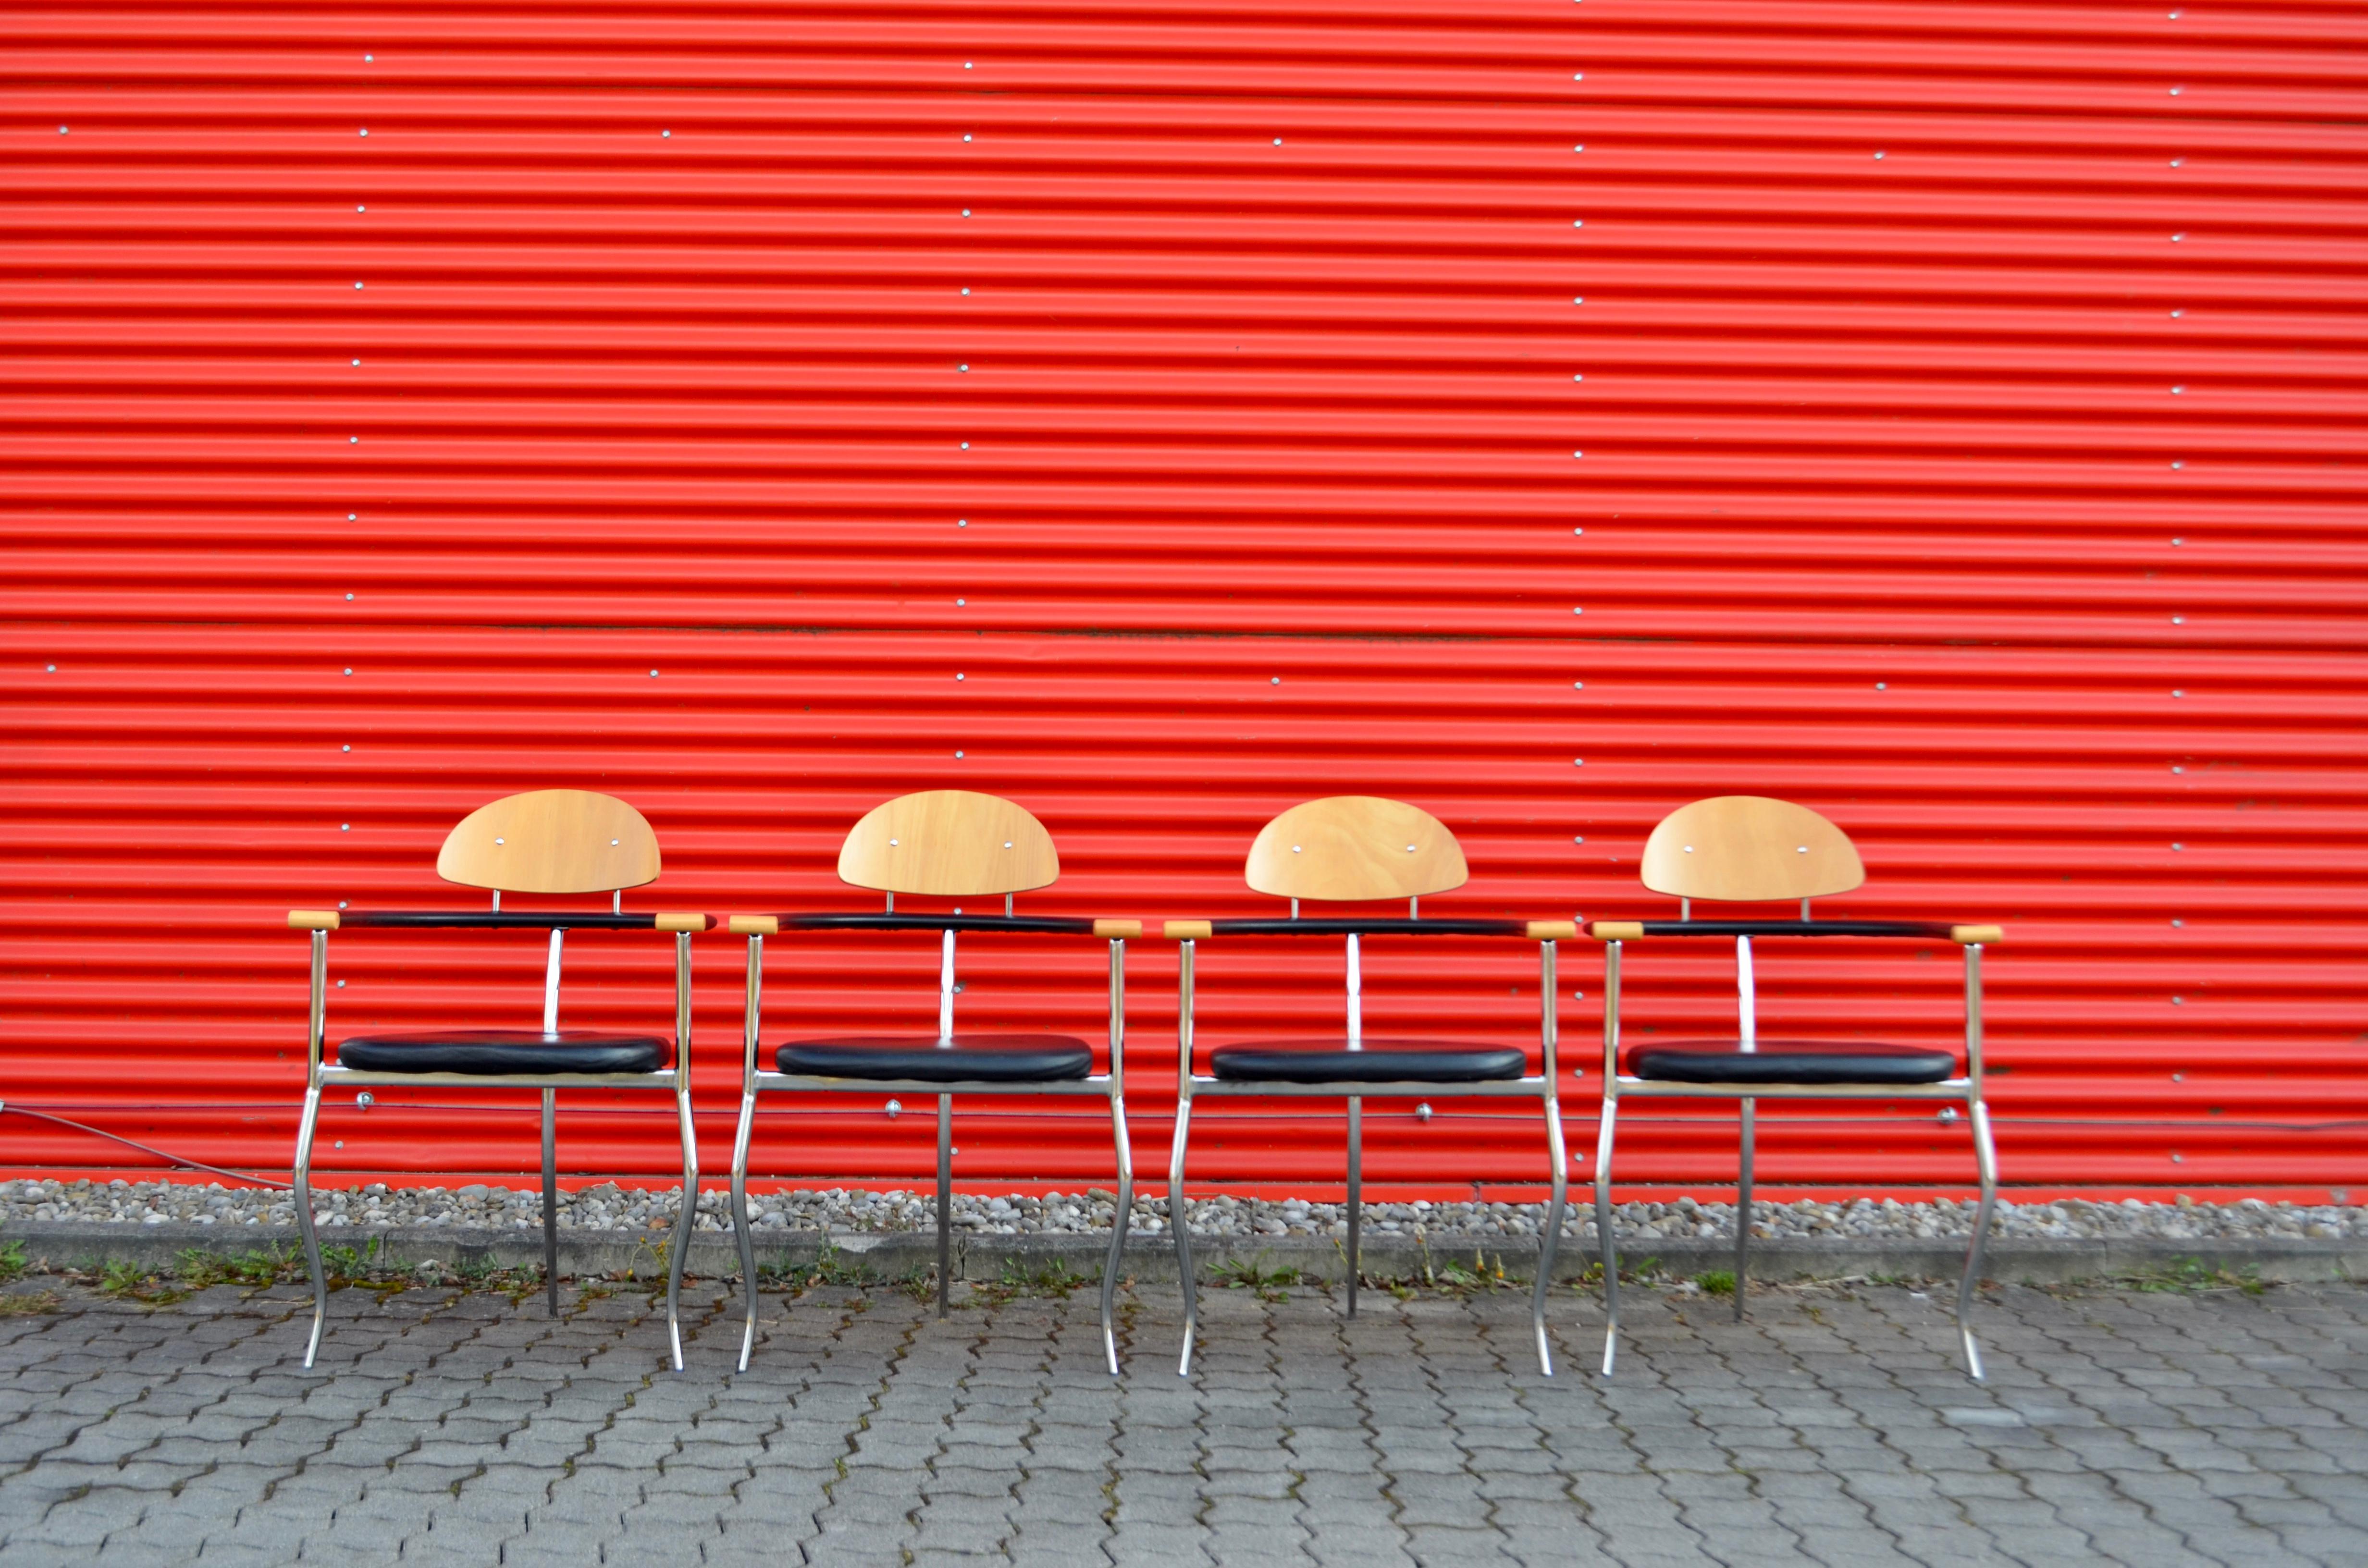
(1110, 1086)
(675, 1080)
(1967, 1089)
(1194, 1085)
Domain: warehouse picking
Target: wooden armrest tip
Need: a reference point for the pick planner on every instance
(684, 920)
(311, 919)
(756, 925)
(1977, 936)
(1118, 930)
(1615, 930)
(1553, 930)
(1185, 930)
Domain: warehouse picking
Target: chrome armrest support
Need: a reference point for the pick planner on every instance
(1549, 1010)
(1974, 1017)
(318, 1025)
(1610, 1020)
(1118, 1015)
(682, 1011)
(753, 1015)
(1184, 1018)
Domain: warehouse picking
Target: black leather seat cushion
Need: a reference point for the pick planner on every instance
(983, 1058)
(1788, 1062)
(506, 1051)
(1330, 1060)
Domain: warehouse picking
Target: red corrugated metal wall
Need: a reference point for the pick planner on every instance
(1946, 415)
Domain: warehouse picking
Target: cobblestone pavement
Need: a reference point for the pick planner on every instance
(447, 1428)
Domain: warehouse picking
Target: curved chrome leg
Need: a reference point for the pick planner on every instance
(683, 1225)
(303, 1179)
(1606, 1246)
(1550, 1237)
(1986, 1154)
(1747, 1116)
(551, 1198)
(1118, 1230)
(1356, 1193)
(740, 1224)
(1178, 1223)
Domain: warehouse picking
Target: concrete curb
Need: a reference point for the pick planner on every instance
(1152, 1259)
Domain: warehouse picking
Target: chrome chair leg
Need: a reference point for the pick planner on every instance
(1356, 1192)
(945, 1199)
(685, 1224)
(1986, 1154)
(1747, 1116)
(1118, 1230)
(304, 1182)
(1550, 1236)
(550, 1199)
(1607, 1246)
(1182, 1228)
(740, 1224)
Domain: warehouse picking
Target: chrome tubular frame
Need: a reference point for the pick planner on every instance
(1747, 1003)
(1966, 1089)
(675, 1080)
(1192, 1085)
(1110, 1086)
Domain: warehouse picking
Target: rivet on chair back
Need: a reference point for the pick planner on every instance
(556, 841)
(948, 844)
(1749, 848)
(1351, 847)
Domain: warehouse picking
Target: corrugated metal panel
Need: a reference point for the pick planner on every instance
(408, 406)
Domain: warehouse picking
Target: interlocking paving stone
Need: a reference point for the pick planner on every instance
(1832, 1428)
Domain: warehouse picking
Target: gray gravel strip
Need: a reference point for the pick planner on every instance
(847, 1210)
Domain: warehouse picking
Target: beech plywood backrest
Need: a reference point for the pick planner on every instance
(551, 841)
(1743, 848)
(948, 844)
(1355, 847)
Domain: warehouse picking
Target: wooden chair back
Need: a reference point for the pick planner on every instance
(1749, 848)
(948, 844)
(1347, 848)
(551, 841)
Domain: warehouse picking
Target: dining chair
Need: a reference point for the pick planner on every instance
(1352, 849)
(546, 841)
(939, 843)
(1746, 849)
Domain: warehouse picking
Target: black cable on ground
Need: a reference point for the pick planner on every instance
(145, 1149)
